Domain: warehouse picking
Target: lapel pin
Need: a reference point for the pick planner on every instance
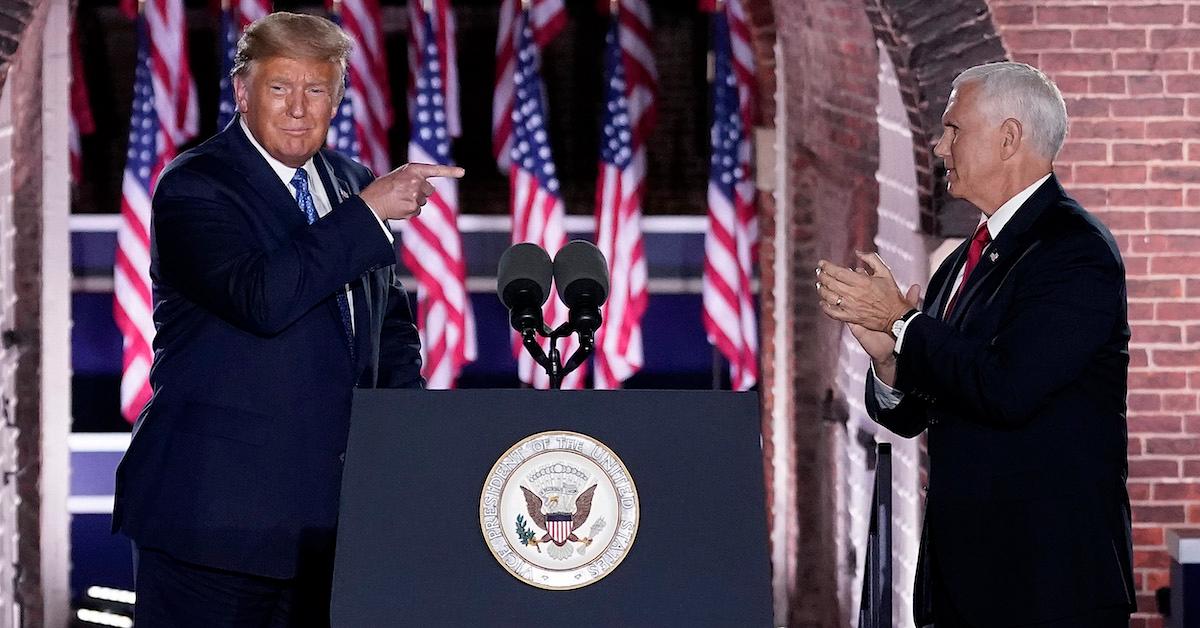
(994, 256)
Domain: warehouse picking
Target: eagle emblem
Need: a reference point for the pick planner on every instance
(557, 506)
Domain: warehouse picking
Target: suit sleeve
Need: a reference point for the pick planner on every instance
(399, 344)
(1066, 304)
(205, 249)
(907, 419)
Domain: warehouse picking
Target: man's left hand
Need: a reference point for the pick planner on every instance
(870, 299)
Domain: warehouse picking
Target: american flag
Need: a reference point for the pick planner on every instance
(441, 15)
(157, 125)
(432, 248)
(628, 115)
(537, 209)
(343, 133)
(81, 121)
(729, 316)
(548, 17)
(236, 15)
(368, 92)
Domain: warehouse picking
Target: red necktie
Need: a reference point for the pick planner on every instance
(982, 238)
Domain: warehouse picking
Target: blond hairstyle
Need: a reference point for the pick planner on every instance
(295, 36)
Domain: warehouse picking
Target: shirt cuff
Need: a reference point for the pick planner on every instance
(382, 223)
(900, 336)
(886, 396)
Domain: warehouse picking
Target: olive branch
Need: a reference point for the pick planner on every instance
(525, 534)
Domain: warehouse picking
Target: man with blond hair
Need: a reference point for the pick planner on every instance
(275, 296)
(1015, 368)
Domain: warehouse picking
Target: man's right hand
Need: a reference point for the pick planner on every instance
(402, 192)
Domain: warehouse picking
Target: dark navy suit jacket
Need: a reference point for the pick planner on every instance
(1022, 391)
(236, 461)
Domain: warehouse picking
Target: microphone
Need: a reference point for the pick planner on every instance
(581, 278)
(523, 284)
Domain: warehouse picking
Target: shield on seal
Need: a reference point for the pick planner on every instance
(559, 526)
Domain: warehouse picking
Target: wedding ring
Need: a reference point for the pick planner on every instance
(838, 303)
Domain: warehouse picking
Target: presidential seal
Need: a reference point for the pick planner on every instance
(559, 510)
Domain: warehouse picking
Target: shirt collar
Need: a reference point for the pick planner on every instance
(282, 170)
(1009, 209)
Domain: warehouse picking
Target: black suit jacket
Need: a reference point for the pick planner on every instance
(235, 463)
(1022, 391)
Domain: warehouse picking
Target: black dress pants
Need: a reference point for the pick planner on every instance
(176, 594)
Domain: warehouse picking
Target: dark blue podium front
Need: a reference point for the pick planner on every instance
(410, 550)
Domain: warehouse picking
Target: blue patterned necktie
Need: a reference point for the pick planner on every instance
(305, 200)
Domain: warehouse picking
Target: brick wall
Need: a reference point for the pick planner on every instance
(8, 367)
(1130, 72)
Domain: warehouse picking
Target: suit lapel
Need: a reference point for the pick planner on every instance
(1010, 245)
(337, 190)
(277, 198)
(958, 258)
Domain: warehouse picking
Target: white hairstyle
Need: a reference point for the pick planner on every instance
(1023, 92)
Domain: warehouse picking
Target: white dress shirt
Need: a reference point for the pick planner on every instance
(316, 187)
(889, 397)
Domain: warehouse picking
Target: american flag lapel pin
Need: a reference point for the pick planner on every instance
(994, 256)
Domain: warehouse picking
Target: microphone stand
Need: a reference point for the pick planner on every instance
(552, 363)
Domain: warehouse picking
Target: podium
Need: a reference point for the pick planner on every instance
(411, 549)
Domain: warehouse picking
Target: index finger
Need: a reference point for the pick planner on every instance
(840, 273)
(426, 171)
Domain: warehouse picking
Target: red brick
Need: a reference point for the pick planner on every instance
(1168, 357)
(1161, 219)
(1081, 61)
(1158, 61)
(1191, 468)
(1157, 579)
(1183, 83)
(1154, 288)
(1111, 174)
(1175, 265)
(1006, 15)
(1071, 15)
(1192, 290)
(1193, 198)
(1143, 107)
(1148, 14)
(1113, 129)
(1142, 402)
(1142, 468)
(1193, 13)
(1071, 83)
(1143, 197)
(1156, 514)
(1193, 513)
(1193, 151)
(1109, 38)
(1175, 174)
(1193, 106)
(1176, 491)
(1145, 84)
(1150, 333)
(1155, 424)
(1082, 107)
(1106, 84)
(1083, 151)
(1167, 243)
(1091, 197)
(1141, 311)
(1138, 358)
(1037, 39)
(1145, 536)
(1171, 151)
(1157, 380)
(1134, 447)
(1184, 402)
(1177, 311)
(1032, 58)
(1115, 220)
(1136, 265)
(1165, 38)
(1173, 129)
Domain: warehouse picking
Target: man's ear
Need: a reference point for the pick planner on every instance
(1011, 136)
(241, 93)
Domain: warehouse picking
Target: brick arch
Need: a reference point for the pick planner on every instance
(15, 15)
(929, 44)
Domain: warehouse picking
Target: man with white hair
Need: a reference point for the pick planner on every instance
(1016, 367)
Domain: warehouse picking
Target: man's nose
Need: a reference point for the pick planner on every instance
(296, 106)
(939, 149)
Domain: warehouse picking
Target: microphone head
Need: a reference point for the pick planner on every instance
(526, 270)
(580, 267)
